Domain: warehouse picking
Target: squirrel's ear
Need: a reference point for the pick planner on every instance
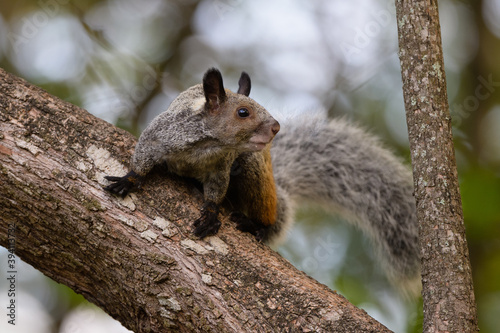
(244, 84)
(213, 89)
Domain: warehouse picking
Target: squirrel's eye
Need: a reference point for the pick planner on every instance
(243, 113)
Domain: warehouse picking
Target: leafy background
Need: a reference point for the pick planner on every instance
(126, 60)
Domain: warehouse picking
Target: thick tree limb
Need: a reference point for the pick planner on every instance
(449, 303)
(136, 258)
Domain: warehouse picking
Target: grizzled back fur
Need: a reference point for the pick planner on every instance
(178, 127)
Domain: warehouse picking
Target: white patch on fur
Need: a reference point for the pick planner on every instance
(199, 103)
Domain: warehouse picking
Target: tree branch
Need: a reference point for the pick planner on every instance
(136, 258)
(449, 303)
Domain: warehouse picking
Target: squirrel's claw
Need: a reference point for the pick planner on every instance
(208, 224)
(113, 178)
(243, 223)
(123, 185)
(206, 227)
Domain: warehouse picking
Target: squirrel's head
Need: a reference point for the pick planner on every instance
(238, 120)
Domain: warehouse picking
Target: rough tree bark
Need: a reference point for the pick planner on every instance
(449, 303)
(136, 258)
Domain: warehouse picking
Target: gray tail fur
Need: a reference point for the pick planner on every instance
(348, 171)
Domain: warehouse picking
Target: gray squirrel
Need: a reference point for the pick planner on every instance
(227, 141)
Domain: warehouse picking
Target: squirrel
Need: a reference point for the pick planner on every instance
(227, 141)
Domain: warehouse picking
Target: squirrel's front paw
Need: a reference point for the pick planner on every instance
(243, 223)
(123, 185)
(208, 224)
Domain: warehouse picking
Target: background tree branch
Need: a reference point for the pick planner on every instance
(136, 258)
(449, 302)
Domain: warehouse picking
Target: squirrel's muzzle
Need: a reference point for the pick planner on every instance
(275, 128)
(264, 135)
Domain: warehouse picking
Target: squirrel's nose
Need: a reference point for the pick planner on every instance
(275, 128)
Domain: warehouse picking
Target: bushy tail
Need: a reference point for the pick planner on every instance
(347, 171)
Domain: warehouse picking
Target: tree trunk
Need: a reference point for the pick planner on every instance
(449, 304)
(137, 258)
